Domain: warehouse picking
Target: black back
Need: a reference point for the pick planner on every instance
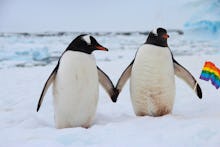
(157, 38)
(79, 44)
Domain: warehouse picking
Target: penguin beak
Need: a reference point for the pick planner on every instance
(101, 48)
(165, 36)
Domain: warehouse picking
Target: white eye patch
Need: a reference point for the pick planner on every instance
(87, 39)
(154, 31)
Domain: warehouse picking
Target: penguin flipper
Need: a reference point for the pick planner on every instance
(124, 77)
(46, 86)
(184, 74)
(107, 84)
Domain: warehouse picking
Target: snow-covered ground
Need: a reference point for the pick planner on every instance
(194, 122)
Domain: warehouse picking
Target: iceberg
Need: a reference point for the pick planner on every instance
(204, 18)
(204, 25)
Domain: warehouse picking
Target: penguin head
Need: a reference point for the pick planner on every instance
(158, 37)
(85, 43)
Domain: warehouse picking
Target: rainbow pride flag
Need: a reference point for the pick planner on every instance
(211, 72)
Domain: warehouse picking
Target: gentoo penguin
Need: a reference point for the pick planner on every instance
(75, 84)
(152, 82)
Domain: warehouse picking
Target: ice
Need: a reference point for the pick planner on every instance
(205, 25)
(45, 48)
(40, 54)
(204, 18)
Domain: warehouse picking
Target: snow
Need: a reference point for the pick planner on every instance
(194, 122)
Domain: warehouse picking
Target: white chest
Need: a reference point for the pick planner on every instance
(75, 90)
(152, 81)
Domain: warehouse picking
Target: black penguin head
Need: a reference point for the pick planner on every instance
(85, 43)
(158, 37)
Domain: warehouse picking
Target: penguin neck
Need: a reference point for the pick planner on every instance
(156, 41)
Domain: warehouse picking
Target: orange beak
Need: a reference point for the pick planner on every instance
(101, 48)
(165, 36)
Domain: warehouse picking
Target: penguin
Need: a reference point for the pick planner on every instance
(152, 80)
(75, 82)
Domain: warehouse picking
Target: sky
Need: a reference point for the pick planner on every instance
(89, 15)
